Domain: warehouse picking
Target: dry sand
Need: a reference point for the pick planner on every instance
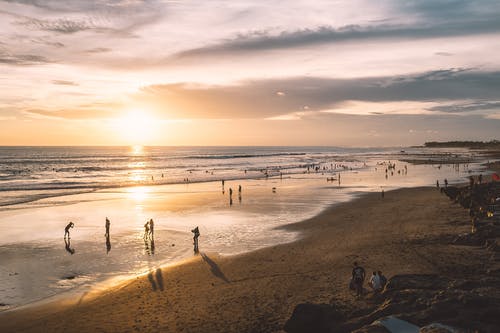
(257, 292)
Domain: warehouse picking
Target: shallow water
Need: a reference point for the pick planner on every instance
(37, 263)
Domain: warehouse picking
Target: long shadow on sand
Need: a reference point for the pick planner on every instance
(156, 280)
(214, 268)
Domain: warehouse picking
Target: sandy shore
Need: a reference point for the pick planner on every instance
(257, 291)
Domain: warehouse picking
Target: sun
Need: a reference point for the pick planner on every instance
(136, 127)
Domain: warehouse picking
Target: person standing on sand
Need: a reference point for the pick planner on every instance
(146, 230)
(151, 228)
(358, 277)
(383, 279)
(375, 282)
(108, 223)
(66, 229)
(196, 234)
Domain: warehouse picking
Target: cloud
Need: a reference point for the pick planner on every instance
(63, 26)
(64, 83)
(94, 110)
(258, 99)
(72, 114)
(22, 59)
(264, 41)
(118, 17)
(98, 50)
(468, 107)
(444, 54)
(59, 6)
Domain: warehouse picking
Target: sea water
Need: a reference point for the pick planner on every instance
(43, 188)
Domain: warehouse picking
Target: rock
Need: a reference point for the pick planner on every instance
(307, 317)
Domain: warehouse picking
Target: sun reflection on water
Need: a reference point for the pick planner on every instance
(138, 193)
(137, 149)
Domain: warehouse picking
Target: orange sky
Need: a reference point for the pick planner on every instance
(121, 72)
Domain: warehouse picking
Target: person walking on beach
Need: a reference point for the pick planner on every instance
(196, 234)
(151, 228)
(108, 223)
(66, 229)
(358, 277)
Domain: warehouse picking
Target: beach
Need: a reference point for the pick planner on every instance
(285, 239)
(405, 232)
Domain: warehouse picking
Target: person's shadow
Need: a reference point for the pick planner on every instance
(214, 268)
(156, 280)
(67, 245)
(108, 244)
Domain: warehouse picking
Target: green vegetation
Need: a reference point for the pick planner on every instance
(464, 144)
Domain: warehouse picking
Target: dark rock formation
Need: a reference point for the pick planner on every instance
(309, 317)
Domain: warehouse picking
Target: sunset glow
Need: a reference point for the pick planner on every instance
(136, 128)
(246, 72)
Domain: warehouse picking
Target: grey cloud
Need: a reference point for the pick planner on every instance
(263, 41)
(468, 107)
(63, 26)
(259, 99)
(444, 54)
(81, 5)
(117, 17)
(64, 83)
(448, 9)
(98, 50)
(22, 59)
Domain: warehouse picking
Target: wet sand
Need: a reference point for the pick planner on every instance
(406, 232)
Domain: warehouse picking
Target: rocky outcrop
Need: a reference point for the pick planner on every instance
(309, 317)
(421, 299)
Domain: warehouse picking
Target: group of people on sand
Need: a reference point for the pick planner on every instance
(149, 228)
(377, 281)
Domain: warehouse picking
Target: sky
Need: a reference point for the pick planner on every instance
(294, 72)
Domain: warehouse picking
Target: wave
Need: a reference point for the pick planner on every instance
(221, 157)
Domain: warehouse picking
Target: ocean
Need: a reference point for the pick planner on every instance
(42, 189)
(31, 173)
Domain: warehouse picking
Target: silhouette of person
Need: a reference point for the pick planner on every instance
(66, 229)
(151, 228)
(108, 244)
(196, 234)
(146, 230)
(358, 277)
(108, 223)
(67, 245)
